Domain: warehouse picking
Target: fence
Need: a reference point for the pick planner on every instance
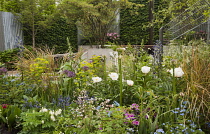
(10, 31)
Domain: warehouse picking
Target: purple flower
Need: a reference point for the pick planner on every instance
(129, 116)
(135, 122)
(85, 68)
(69, 73)
(3, 70)
(135, 106)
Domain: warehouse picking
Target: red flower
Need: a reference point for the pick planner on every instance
(4, 105)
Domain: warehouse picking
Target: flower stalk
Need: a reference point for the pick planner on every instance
(120, 79)
(174, 81)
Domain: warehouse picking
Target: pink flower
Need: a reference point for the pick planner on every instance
(135, 123)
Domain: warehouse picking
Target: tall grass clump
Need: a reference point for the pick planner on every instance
(195, 62)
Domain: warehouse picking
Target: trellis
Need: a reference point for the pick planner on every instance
(191, 24)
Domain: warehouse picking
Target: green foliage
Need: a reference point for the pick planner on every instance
(9, 115)
(92, 116)
(132, 22)
(94, 18)
(36, 15)
(36, 122)
(9, 57)
(55, 36)
(10, 6)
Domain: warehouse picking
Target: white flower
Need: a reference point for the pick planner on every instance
(42, 121)
(145, 69)
(52, 112)
(122, 48)
(43, 110)
(130, 82)
(113, 76)
(178, 72)
(96, 79)
(58, 112)
(52, 117)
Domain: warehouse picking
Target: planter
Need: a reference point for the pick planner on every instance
(89, 51)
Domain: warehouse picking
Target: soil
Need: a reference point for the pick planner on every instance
(4, 130)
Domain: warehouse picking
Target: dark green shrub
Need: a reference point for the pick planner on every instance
(9, 57)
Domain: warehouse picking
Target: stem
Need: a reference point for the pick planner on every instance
(134, 71)
(105, 76)
(144, 77)
(120, 79)
(174, 82)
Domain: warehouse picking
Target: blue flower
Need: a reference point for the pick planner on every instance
(99, 107)
(116, 103)
(185, 102)
(181, 124)
(192, 130)
(200, 129)
(160, 130)
(175, 111)
(193, 125)
(181, 114)
(109, 113)
(13, 80)
(183, 106)
(183, 110)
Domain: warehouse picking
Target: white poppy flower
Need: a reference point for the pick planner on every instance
(145, 69)
(130, 82)
(114, 76)
(178, 72)
(96, 79)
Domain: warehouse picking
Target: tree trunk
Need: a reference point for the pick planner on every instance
(151, 29)
(33, 33)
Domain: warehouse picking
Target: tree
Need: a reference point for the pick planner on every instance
(10, 6)
(94, 17)
(36, 15)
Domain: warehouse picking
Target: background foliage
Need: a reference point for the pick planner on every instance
(56, 36)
